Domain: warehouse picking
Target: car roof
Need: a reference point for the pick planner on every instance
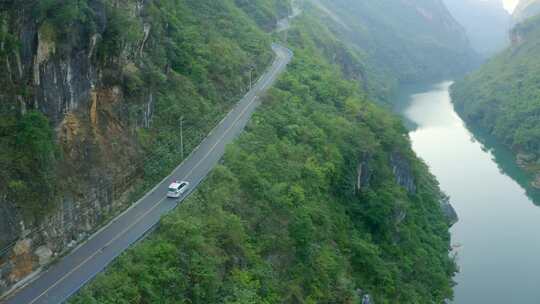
(177, 184)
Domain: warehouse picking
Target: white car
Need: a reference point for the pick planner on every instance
(176, 189)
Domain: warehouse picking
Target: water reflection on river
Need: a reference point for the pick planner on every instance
(498, 235)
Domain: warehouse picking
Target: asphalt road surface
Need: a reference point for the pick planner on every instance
(71, 272)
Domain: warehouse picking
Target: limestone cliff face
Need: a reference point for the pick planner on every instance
(402, 172)
(405, 177)
(95, 74)
(401, 169)
(449, 211)
(363, 173)
(398, 41)
(67, 83)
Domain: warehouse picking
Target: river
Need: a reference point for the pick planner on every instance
(497, 238)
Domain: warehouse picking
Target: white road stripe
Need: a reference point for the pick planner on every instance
(139, 219)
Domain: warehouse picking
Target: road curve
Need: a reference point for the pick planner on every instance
(70, 273)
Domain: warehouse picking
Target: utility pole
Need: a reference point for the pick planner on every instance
(251, 68)
(182, 136)
(250, 78)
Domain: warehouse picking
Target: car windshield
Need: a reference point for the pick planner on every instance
(173, 189)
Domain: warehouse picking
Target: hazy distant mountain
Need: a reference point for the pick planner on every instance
(486, 22)
(405, 40)
(526, 9)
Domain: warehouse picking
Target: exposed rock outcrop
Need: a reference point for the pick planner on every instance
(67, 84)
(402, 171)
(363, 174)
(523, 159)
(72, 222)
(536, 182)
(448, 211)
(365, 298)
(405, 178)
(529, 161)
(9, 227)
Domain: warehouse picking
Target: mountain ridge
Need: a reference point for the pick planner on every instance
(487, 23)
(402, 41)
(503, 96)
(526, 9)
(321, 200)
(106, 84)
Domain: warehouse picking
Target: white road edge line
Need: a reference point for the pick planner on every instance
(254, 98)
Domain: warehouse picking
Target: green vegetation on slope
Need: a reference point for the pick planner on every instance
(265, 12)
(503, 97)
(207, 71)
(28, 153)
(400, 41)
(281, 220)
(195, 63)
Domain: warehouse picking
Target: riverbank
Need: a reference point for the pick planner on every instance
(508, 161)
(526, 165)
(497, 231)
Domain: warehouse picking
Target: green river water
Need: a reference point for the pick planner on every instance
(497, 238)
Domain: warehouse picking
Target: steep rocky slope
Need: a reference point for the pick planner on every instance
(321, 200)
(92, 96)
(503, 97)
(400, 41)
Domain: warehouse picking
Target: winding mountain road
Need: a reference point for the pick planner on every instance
(73, 271)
